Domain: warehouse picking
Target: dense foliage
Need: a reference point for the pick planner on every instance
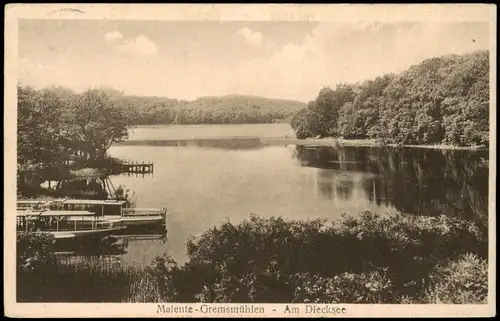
(34, 265)
(42, 277)
(363, 259)
(56, 125)
(35, 251)
(439, 101)
(459, 282)
(231, 109)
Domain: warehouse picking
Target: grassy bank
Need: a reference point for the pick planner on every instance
(362, 259)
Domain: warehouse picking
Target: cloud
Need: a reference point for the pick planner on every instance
(253, 38)
(112, 36)
(140, 46)
(333, 53)
(329, 54)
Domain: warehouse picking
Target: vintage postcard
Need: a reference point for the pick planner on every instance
(230, 160)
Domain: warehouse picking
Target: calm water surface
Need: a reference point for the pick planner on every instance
(209, 181)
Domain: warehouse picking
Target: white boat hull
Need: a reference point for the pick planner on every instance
(79, 234)
(134, 221)
(66, 235)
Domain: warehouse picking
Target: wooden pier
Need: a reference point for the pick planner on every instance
(137, 168)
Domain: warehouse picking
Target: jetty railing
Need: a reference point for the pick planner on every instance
(144, 212)
(134, 167)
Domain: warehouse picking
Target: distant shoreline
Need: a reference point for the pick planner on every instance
(369, 143)
(273, 141)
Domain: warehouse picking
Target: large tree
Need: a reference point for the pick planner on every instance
(39, 128)
(306, 122)
(95, 121)
(327, 106)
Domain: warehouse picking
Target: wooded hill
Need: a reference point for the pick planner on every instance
(231, 109)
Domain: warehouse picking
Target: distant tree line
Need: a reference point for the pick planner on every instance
(439, 101)
(56, 124)
(211, 110)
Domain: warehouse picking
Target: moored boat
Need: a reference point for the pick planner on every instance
(116, 211)
(113, 211)
(70, 229)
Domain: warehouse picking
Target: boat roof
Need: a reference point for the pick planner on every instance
(94, 202)
(55, 213)
(30, 201)
(35, 201)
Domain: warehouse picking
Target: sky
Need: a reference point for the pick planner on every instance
(187, 60)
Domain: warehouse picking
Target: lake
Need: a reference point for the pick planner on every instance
(210, 173)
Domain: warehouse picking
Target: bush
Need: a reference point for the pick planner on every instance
(43, 278)
(35, 252)
(35, 263)
(123, 193)
(364, 259)
(410, 246)
(88, 280)
(267, 260)
(370, 287)
(459, 282)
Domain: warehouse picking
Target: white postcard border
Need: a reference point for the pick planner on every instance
(229, 12)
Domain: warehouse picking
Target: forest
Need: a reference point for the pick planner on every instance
(442, 100)
(231, 109)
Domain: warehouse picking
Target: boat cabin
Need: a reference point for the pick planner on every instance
(58, 221)
(31, 204)
(37, 204)
(99, 207)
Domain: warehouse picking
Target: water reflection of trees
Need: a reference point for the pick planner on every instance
(325, 183)
(89, 187)
(416, 181)
(334, 184)
(99, 187)
(344, 189)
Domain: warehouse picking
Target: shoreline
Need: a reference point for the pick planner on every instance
(273, 141)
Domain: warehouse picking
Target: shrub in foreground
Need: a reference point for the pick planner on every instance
(35, 263)
(43, 278)
(370, 287)
(267, 260)
(364, 259)
(459, 282)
